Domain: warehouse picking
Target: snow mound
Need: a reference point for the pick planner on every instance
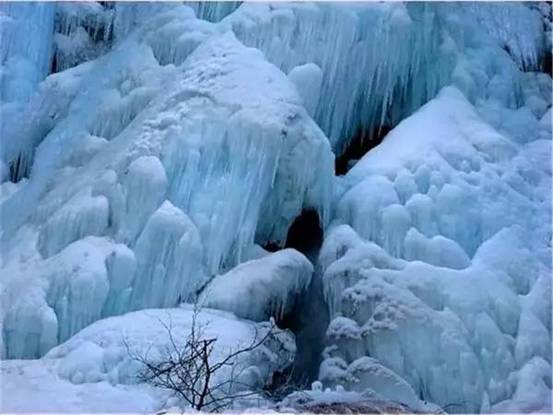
(260, 288)
(95, 371)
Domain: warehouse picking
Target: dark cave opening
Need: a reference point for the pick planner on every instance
(305, 234)
(271, 246)
(361, 143)
(308, 317)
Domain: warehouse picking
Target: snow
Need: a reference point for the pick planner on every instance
(260, 288)
(94, 371)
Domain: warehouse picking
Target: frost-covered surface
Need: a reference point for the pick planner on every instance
(168, 150)
(260, 288)
(95, 370)
(438, 264)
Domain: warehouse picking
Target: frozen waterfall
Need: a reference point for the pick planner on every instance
(154, 155)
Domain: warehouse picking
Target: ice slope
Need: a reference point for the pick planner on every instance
(182, 181)
(94, 371)
(437, 264)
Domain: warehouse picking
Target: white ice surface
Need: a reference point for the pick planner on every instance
(261, 288)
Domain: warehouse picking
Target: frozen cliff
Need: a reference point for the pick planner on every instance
(157, 154)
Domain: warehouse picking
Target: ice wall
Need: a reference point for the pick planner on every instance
(180, 154)
(160, 163)
(26, 35)
(363, 85)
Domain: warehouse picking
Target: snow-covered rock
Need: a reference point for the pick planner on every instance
(261, 288)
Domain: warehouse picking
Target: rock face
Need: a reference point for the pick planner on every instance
(160, 151)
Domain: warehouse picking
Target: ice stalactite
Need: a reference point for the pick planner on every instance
(360, 79)
(164, 164)
(25, 47)
(519, 30)
(83, 31)
(130, 15)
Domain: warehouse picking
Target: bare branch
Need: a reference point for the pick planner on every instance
(188, 369)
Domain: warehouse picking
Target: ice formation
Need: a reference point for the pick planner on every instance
(337, 39)
(227, 156)
(261, 288)
(26, 45)
(94, 371)
(163, 146)
(439, 249)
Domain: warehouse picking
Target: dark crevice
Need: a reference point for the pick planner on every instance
(19, 169)
(308, 317)
(271, 246)
(305, 233)
(360, 144)
(547, 63)
(54, 64)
